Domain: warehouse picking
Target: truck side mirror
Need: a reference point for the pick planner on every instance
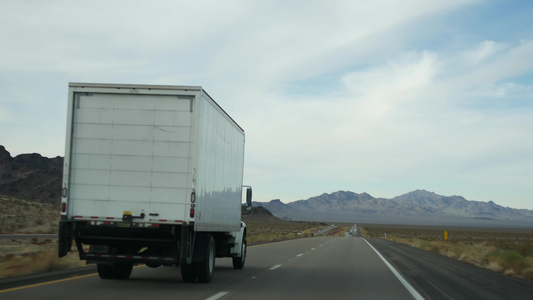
(249, 198)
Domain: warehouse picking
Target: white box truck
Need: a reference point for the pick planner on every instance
(152, 175)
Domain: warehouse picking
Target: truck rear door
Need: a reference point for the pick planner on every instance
(130, 152)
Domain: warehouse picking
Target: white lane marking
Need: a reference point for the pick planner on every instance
(217, 296)
(313, 249)
(406, 284)
(274, 267)
(299, 254)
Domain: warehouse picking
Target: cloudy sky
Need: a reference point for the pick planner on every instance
(382, 97)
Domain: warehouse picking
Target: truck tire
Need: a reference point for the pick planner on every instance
(238, 262)
(188, 272)
(105, 271)
(122, 270)
(206, 267)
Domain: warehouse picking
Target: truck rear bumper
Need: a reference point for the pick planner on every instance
(100, 243)
(94, 257)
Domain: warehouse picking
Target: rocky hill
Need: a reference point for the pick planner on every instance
(31, 177)
(417, 207)
(459, 206)
(258, 214)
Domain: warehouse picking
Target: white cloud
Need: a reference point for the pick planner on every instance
(513, 62)
(485, 50)
(383, 88)
(68, 37)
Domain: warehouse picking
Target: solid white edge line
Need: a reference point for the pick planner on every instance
(217, 296)
(406, 284)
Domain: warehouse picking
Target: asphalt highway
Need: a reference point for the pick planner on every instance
(439, 277)
(311, 268)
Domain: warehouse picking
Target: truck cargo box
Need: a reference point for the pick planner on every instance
(157, 154)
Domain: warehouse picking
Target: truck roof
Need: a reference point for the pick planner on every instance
(135, 86)
(151, 87)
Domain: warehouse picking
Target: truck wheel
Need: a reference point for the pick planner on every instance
(205, 268)
(238, 262)
(188, 272)
(105, 271)
(122, 270)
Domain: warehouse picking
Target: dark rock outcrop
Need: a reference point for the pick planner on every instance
(31, 177)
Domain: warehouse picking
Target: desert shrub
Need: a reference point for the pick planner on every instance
(526, 249)
(511, 262)
(37, 262)
(528, 273)
(428, 246)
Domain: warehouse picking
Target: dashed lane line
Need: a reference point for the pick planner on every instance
(217, 296)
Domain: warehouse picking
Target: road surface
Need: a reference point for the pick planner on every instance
(311, 268)
(440, 277)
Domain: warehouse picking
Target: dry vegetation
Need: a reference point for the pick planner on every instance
(262, 228)
(509, 251)
(30, 255)
(22, 216)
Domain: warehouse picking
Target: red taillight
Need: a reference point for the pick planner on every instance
(192, 213)
(63, 207)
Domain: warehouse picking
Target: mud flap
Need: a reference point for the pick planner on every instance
(185, 245)
(200, 247)
(65, 238)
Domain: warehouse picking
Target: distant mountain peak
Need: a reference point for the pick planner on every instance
(422, 193)
(346, 195)
(417, 207)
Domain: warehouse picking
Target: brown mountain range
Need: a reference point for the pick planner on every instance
(31, 177)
